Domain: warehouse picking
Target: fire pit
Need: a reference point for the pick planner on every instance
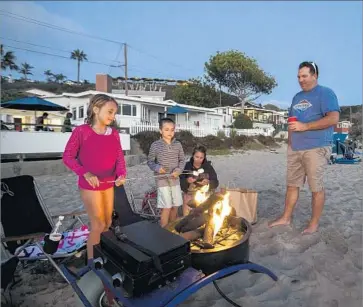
(218, 238)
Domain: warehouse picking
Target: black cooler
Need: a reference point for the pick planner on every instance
(142, 256)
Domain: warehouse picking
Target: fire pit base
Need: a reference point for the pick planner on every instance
(231, 251)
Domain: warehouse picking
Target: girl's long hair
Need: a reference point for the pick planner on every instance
(98, 100)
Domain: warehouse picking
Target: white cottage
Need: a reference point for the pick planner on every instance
(138, 114)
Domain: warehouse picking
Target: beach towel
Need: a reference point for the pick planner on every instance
(73, 240)
(245, 203)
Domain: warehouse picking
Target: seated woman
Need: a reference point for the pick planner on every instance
(197, 161)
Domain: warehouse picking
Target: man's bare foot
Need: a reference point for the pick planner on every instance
(310, 229)
(281, 221)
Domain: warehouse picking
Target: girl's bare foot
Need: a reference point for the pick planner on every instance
(310, 229)
(280, 222)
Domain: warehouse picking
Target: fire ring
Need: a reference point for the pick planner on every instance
(230, 245)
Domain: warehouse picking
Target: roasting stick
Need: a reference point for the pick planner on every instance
(194, 173)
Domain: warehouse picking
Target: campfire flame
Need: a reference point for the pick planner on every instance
(201, 195)
(220, 210)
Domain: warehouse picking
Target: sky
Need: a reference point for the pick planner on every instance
(173, 39)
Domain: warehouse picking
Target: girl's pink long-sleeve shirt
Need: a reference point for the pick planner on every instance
(101, 155)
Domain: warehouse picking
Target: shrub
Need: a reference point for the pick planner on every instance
(240, 141)
(266, 140)
(187, 140)
(146, 138)
(242, 121)
(233, 133)
(221, 134)
(213, 142)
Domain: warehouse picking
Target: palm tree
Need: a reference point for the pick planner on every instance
(8, 59)
(26, 70)
(80, 56)
(49, 75)
(59, 78)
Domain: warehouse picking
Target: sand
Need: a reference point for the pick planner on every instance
(319, 270)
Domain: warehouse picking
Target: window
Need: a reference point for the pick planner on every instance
(81, 112)
(126, 109)
(74, 113)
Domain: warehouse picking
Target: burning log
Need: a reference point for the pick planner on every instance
(192, 204)
(207, 204)
(191, 223)
(193, 235)
(208, 237)
(196, 217)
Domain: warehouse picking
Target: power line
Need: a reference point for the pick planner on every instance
(37, 45)
(41, 23)
(59, 56)
(51, 26)
(48, 25)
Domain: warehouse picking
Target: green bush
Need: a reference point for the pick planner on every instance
(187, 139)
(239, 141)
(233, 133)
(213, 142)
(266, 140)
(242, 121)
(221, 134)
(146, 138)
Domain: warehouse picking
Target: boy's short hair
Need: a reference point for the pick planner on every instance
(164, 121)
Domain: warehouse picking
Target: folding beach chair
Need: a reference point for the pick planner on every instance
(26, 220)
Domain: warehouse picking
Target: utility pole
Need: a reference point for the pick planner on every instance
(125, 64)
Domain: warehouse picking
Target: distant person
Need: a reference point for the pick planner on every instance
(40, 122)
(310, 141)
(3, 126)
(67, 124)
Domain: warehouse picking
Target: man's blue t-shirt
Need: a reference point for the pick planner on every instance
(312, 106)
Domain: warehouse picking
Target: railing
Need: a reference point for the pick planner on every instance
(13, 142)
(248, 132)
(196, 131)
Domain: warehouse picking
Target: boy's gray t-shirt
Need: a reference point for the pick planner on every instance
(170, 157)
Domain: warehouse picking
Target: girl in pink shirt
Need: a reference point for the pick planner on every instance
(95, 154)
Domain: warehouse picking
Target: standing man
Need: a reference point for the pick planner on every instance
(316, 111)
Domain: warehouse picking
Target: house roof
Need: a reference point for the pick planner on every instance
(166, 103)
(39, 92)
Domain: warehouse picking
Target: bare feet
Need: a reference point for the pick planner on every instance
(281, 221)
(310, 229)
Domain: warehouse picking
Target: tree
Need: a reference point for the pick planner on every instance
(49, 75)
(80, 56)
(8, 59)
(240, 74)
(196, 92)
(59, 78)
(242, 121)
(26, 70)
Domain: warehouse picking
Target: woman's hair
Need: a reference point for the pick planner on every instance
(202, 149)
(98, 100)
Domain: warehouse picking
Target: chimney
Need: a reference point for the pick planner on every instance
(103, 83)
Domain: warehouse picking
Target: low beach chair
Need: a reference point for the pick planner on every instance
(25, 220)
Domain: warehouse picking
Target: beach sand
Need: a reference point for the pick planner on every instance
(319, 270)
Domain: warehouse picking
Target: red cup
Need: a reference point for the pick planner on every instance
(292, 119)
